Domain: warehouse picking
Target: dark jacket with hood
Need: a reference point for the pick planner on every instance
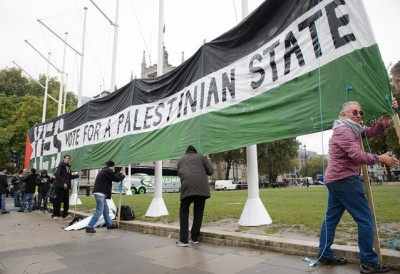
(43, 182)
(15, 181)
(193, 170)
(104, 179)
(30, 181)
(64, 175)
(3, 183)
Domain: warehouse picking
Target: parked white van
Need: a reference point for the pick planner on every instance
(224, 185)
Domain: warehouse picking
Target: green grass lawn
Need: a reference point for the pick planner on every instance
(286, 206)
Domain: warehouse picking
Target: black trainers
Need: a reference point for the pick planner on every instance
(374, 268)
(112, 227)
(90, 230)
(333, 261)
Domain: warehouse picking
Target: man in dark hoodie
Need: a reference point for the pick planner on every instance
(15, 181)
(193, 170)
(43, 183)
(63, 185)
(101, 192)
(30, 188)
(3, 189)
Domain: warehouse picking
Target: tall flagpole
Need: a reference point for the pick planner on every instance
(114, 60)
(60, 97)
(46, 88)
(82, 58)
(254, 212)
(65, 93)
(157, 207)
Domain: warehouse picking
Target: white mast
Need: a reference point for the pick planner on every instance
(45, 92)
(254, 212)
(82, 58)
(65, 92)
(60, 96)
(157, 207)
(114, 59)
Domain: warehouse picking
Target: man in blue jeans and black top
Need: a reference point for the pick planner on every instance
(101, 192)
(346, 190)
(193, 170)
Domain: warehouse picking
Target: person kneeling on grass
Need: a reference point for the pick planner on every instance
(101, 192)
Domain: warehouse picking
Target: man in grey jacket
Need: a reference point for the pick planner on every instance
(193, 170)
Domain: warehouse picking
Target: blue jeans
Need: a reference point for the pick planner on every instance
(101, 208)
(17, 201)
(3, 202)
(27, 197)
(348, 194)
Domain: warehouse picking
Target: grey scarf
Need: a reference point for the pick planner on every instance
(356, 128)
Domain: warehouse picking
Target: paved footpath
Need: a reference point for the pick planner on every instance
(34, 243)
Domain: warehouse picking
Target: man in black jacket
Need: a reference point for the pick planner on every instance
(15, 181)
(101, 192)
(3, 189)
(43, 183)
(30, 188)
(63, 185)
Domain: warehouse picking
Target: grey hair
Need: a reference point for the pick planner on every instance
(395, 70)
(346, 107)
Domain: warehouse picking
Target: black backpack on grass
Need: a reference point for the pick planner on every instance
(127, 213)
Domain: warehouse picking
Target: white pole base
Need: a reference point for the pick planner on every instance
(157, 208)
(74, 199)
(254, 213)
(128, 192)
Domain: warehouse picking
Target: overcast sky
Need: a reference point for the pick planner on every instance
(187, 23)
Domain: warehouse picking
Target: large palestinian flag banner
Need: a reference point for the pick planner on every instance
(282, 72)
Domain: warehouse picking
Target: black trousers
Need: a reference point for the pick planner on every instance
(62, 197)
(198, 211)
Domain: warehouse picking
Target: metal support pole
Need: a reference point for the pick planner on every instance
(45, 92)
(157, 207)
(60, 96)
(82, 58)
(254, 212)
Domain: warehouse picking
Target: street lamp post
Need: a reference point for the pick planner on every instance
(305, 158)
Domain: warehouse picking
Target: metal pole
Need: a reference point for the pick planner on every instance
(114, 59)
(60, 95)
(59, 37)
(82, 58)
(65, 92)
(45, 92)
(43, 56)
(29, 75)
(157, 207)
(305, 158)
(52, 98)
(254, 212)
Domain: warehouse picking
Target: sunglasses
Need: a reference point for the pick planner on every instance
(355, 113)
